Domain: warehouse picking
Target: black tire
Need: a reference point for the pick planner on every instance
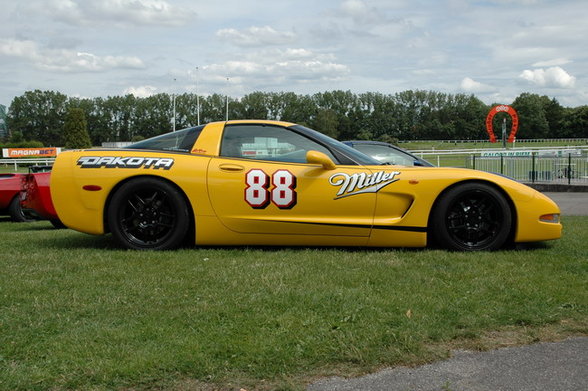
(16, 213)
(148, 214)
(472, 217)
(57, 224)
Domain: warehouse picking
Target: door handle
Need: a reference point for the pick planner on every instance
(231, 167)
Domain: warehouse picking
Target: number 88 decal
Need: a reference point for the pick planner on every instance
(258, 195)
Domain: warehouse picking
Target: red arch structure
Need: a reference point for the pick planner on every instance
(502, 109)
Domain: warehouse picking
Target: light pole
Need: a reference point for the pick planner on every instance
(174, 106)
(227, 99)
(197, 98)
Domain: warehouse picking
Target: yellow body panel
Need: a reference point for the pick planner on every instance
(329, 207)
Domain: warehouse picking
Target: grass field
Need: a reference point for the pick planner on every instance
(439, 145)
(78, 313)
(10, 168)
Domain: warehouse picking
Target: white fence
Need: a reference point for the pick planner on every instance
(26, 162)
(554, 165)
(567, 165)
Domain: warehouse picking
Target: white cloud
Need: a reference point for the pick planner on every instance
(360, 12)
(65, 60)
(137, 12)
(255, 36)
(304, 47)
(554, 77)
(272, 66)
(470, 85)
(141, 92)
(552, 63)
(516, 2)
(16, 48)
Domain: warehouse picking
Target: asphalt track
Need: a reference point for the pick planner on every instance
(550, 366)
(571, 204)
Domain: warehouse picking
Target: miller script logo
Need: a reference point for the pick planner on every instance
(125, 162)
(361, 183)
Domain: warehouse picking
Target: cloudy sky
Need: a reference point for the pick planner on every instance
(495, 49)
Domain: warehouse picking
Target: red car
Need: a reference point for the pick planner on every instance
(10, 195)
(36, 197)
(26, 197)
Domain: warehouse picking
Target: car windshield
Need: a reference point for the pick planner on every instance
(353, 154)
(181, 141)
(386, 154)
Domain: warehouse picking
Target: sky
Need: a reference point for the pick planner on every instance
(494, 49)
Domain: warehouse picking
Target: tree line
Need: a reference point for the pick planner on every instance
(408, 115)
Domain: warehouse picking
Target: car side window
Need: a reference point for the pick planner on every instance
(273, 143)
(386, 154)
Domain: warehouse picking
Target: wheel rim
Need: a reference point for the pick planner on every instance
(475, 219)
(147, 217)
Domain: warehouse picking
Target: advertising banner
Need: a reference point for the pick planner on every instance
(30, 152)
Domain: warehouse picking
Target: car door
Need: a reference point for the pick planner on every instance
(263, 184)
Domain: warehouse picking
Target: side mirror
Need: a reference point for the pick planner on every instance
(316, 157)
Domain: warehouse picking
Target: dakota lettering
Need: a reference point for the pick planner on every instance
(125, 162)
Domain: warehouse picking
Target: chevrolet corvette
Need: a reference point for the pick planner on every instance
(10, 195)
(25, 197)
(36, 196)
(251, 182)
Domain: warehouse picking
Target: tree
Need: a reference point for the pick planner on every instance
(75, 131)
(575, 122)
(554, 113)
(16, 137)
(326, 122)
(531, 111)
(254, 106)
(407, 115)
(38, 115)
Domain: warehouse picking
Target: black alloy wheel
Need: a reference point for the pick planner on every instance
(472, 217)
(148, 214)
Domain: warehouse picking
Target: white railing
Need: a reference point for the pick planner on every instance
(27, 162)
(567, 165)
(472, 151)
(570, 169)
(528, 140)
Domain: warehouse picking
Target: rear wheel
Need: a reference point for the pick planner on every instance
(148, 214)
(17, 214)
(471, 217)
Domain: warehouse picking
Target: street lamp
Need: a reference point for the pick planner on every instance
(227, 99)
(197, 98)
(174, 105)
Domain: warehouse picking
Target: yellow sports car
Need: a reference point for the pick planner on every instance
(277, 183)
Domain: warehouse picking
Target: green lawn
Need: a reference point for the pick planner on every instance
(10, 168)
(440, 145)
(78, 313)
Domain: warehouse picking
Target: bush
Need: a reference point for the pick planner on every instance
(23, 144)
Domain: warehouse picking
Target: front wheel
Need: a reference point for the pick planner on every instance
(57, 224)
(472, 217)
(148, 214)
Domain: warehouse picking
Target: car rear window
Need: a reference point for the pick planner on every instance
(181, 141)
